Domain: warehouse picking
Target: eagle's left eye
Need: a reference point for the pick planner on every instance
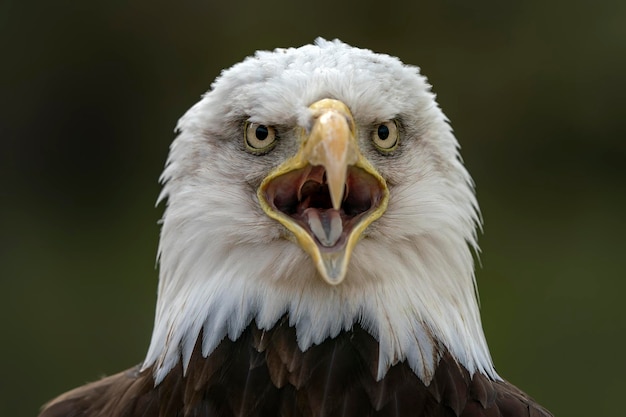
(259, 138)
(385, 136)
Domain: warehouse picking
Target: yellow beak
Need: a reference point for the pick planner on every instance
(328, 193)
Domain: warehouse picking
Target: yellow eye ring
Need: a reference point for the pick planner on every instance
(259, 138)
(385, 136)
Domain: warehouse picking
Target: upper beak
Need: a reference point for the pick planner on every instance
(332, 145)
(328, 193)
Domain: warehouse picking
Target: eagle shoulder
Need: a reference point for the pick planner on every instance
(122, 394)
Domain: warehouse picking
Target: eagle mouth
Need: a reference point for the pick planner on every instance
(303, 196)
(327, 193)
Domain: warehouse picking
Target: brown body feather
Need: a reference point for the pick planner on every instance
(263, 373)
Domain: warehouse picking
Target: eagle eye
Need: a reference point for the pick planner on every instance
(259, 139)
(385, 136)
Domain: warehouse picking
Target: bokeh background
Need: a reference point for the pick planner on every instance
(89, 96)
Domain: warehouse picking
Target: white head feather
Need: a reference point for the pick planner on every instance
(224, 262)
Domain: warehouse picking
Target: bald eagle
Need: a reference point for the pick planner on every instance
(315, 254)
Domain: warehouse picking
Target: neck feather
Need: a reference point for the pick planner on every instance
(416, 297)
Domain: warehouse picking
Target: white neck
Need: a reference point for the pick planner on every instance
(413, 292)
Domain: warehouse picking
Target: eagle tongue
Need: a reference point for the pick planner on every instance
(326, 225)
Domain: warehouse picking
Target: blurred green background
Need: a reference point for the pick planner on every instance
(89, 96)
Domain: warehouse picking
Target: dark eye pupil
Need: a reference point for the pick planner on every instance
(261, 132)
(383, 132)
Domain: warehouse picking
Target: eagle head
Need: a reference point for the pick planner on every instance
(322, 183)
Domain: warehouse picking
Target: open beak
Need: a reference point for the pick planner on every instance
(328, 193)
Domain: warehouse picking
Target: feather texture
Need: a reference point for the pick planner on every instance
(263, 373)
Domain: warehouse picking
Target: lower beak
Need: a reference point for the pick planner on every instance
(328, 193)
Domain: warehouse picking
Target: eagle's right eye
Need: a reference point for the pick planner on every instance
(259, 138)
